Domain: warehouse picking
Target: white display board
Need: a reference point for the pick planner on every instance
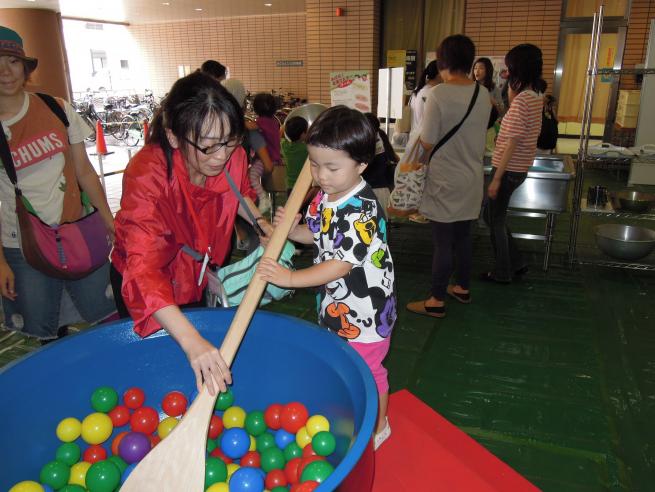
(391, 84)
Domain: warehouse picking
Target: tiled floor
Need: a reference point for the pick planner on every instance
(554, 374)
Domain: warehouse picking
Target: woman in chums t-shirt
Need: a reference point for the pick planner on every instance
(516, 147)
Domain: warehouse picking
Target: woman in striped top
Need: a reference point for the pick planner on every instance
(516, 147)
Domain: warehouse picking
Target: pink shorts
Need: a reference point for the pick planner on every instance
(373, 354)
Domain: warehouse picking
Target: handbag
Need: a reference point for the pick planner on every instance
(68, 251)
(411, 170)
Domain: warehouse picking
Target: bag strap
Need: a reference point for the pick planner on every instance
(243, 203)
(54, 106)
(7, 160)
(452, 132)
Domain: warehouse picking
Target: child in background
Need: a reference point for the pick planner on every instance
(352, 267)
(293, 148)
(264, 105)
(377, 173)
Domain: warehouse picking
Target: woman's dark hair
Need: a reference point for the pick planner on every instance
(342, 128)
(294, 127)
(191, 103)
(524, 64)
(388, 148)
(488, 80)
(456, 53)
(264, 104)
(215, 69)
(430, 73)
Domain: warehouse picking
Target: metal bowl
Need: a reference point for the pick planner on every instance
(625, 242)
(308, 111)
(634, 201)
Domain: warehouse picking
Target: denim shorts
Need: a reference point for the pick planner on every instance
(43, 304)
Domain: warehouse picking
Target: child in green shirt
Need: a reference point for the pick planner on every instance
(293, 148)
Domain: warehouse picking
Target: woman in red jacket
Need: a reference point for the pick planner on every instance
(176, 194)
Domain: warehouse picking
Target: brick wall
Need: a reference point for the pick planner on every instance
(496, 26)
(248, 45)
(636, 42)
(349, 42)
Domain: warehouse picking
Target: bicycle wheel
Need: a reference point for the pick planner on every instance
(113, 123)
(133, 131)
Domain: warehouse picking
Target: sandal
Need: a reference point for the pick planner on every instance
(419, 307)
(488, 277)
(459, 296)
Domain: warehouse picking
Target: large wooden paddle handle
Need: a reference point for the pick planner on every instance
(256, 287)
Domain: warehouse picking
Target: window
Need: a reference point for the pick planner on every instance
(95, 26)
(98, 60)
(125, 64)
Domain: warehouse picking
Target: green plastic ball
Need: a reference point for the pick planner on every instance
(317, 471)
(55, 474)
(255, 424)
(324, 443)
(72, 487)
(68, 453)
(272, 459)
(224, 400)
(104, 399)
(211, 445)
(265, 441)
(280, 489)
(215, 471)
(292, 451)
(119, 462)
(103, 476)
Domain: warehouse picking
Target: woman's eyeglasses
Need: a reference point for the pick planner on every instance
(230, 145)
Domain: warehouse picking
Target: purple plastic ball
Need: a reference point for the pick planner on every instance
(133, 447)
(235, 442)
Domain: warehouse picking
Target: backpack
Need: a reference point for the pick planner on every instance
(549, 133)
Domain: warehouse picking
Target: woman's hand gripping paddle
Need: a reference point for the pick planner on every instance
(177, 464)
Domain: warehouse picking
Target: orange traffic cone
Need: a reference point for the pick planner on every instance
(146, 129)
(101, 146)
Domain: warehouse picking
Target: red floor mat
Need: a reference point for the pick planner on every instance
(426, 453)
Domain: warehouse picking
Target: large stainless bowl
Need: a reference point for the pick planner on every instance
(634, 201)
(625, 242)
(308, 111)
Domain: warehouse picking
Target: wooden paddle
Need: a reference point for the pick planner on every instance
(177, 464)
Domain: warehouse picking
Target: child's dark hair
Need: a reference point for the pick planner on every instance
(264, 104)
(430, 73)
(488, 80)
(524, 64)
(342, 128)
(456, 53)
(215, 69)
(192, 101)
(294, 127)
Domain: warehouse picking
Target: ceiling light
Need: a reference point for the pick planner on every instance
(268, 5)
(198, 10)
(165, 3)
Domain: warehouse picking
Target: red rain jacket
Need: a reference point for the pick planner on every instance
(154, 224)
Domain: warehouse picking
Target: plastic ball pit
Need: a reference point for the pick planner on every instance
(281, 359)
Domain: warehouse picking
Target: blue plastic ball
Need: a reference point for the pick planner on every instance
(235, 442)
(247, 480)
(284, 438)
(127, 472)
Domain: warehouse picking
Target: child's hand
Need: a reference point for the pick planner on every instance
(271, 271)
(251, 125)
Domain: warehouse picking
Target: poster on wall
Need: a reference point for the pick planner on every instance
(351, 88)
(396, 58)
(410, 70)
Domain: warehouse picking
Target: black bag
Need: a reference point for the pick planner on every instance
(549, 133)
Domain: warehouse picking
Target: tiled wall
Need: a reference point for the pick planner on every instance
(496, 26)
(349, 42)
(636, 42)
(249, 46)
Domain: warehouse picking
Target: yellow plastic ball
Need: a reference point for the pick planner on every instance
(78, 473)
(218, 487)
(27, 486)
(231, 468)
(234, 417)
(302, 437)
(69, 429)
(316, 424)
(166, 426)
(96, 428)
(253, 444)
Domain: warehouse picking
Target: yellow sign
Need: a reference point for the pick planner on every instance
(396, 58)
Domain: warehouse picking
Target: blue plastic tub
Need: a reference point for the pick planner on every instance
(281, 359)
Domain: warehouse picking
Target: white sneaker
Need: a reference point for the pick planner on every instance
(382, 436)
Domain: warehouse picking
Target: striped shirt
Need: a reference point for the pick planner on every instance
(523, 123)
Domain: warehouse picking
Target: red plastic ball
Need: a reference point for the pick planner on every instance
(154, 440)
(117, 441)
(307, 486)
(308, 451)
(275, 478)
(144, 420)
(119, 416)
(174, 404)
(134, 398)
(218, 453)
(291, 470)
(215, 427)
(294, 416)
(272, 416)
(94, 453)
(251, 459)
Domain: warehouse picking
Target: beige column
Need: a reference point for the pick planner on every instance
(42, 39)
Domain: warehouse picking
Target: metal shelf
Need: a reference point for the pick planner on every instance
(622, 71)
(616, 264)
